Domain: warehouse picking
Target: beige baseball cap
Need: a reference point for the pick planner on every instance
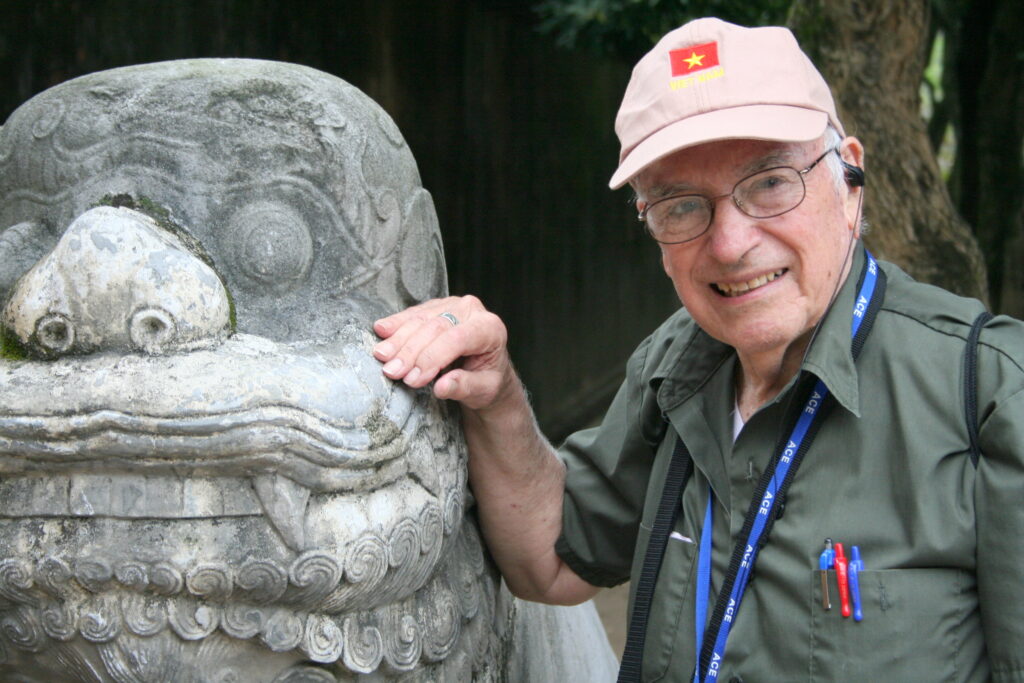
(711, 80)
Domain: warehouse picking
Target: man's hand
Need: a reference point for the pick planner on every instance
(469, 359)
(514, 473)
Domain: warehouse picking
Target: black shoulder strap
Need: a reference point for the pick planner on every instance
(971, 383)
(680, 469)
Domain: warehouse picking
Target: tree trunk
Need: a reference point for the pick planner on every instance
(989, 173)
(873, 55)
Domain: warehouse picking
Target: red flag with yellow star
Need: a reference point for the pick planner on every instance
(695, 58)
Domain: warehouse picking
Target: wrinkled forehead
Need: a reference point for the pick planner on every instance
(719, 163)
(200, 133)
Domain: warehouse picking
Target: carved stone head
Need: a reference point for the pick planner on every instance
(203, 473)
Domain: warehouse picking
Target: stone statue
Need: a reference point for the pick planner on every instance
(204, 476)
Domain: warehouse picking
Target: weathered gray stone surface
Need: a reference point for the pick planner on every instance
(204, 475)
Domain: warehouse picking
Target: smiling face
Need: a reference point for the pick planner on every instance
(757, 284)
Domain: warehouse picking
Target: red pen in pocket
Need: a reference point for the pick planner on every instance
(843, 580)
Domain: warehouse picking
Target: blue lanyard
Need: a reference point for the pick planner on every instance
(764, 512)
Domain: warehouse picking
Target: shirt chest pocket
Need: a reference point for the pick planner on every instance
(919, 625)
(669, 647)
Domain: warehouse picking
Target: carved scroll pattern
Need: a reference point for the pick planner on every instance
(59, 621)
(99, 620)
(191, 620)
(262, 581)
(15, 582)
(100, 601)
(22, 629)
(212, 582)
(144, 615)
(243, 621)
(282, 631)
(323, 640)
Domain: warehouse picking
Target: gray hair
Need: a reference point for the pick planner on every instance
(835, 166)
(835, 162)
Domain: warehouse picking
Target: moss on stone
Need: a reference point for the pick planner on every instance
(11, 347)
(232, 317)
(162, 216)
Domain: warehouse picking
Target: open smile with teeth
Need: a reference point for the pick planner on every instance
(731, 289)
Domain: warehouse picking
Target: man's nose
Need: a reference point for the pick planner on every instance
(732, 233)
(117, 280)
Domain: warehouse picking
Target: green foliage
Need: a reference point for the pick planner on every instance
(933, 72)
(628, 28)
(935, 109)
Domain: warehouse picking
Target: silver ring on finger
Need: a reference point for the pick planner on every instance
(449, 317)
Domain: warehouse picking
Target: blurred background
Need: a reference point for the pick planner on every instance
(508, 108)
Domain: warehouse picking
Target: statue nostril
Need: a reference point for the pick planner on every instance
(151, 329)
(55, 333)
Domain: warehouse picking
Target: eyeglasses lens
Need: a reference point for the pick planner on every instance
(761, 195)
(770, 192)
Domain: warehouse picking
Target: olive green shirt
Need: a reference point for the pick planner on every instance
(942, 541)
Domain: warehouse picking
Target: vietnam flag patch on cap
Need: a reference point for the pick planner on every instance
(696, 58)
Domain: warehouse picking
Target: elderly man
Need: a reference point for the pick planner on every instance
(804, 392)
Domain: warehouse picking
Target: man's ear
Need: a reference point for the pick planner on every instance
(852, 153)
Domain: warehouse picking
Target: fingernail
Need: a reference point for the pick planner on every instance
(393, 366)
(444, 387)
(384, 350)
(413, 375)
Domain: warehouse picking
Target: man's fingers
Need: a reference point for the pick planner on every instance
(422, 350)
(386, 327)
(456, 341)
(474, 389)
(400, 337)
(438, 344)
(447, 386)
(396, 330)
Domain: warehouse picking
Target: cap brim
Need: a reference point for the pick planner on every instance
(782, 123)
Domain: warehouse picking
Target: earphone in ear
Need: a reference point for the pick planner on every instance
(854, 174)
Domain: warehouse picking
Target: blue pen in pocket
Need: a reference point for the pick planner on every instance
(855, 568)
(825, 562)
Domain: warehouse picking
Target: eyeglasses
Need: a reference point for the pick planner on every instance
(765, 194)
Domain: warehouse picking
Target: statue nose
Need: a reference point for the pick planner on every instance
(118, 281)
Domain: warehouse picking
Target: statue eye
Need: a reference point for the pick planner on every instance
(271, 245)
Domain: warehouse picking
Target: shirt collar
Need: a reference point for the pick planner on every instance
(830, 358)
(694, 356)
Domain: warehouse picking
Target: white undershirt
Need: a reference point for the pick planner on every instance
(737, 421)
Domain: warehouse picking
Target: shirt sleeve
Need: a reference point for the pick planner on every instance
(607, 472)
(999, 506)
